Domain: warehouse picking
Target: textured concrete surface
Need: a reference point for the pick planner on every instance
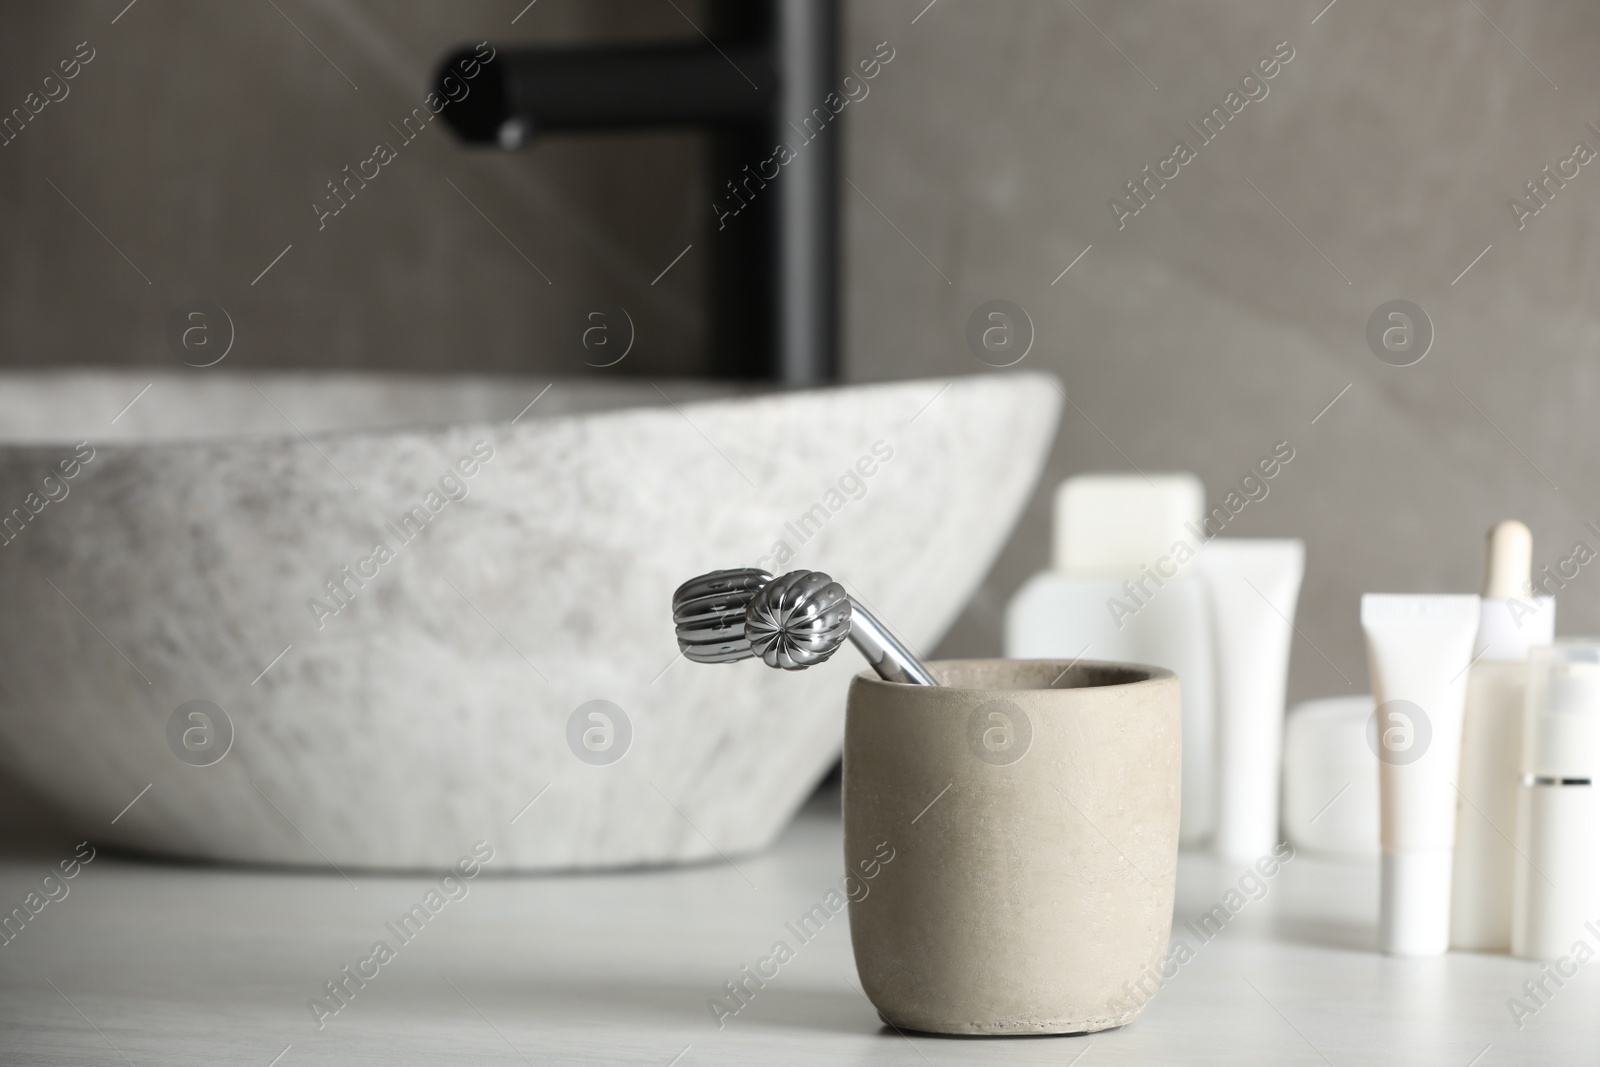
(400, 630)
(1011, 841)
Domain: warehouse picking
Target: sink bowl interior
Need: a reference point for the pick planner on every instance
(109, 406)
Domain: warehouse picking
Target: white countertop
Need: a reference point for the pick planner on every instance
(148, 963)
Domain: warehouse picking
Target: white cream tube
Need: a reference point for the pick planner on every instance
(1254, 586)
(1418, 651)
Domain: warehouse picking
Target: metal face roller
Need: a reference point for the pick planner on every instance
(791, 622)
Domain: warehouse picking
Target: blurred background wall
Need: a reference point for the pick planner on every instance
(1223, 318)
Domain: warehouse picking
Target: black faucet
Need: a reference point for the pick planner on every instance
(758, 83)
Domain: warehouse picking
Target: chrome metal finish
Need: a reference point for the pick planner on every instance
(798, 620)
(891, 659)
(709, 612)
(792, 622)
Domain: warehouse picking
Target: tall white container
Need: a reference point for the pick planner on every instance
(1557, 883)
(1491, 740)
(1254, 586)
(1122, 588)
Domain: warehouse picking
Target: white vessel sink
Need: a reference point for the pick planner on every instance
(429, 709)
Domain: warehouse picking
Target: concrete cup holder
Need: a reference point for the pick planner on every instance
(1028, 811)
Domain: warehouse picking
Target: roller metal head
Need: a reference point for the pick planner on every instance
(709, 614)
(798, 620)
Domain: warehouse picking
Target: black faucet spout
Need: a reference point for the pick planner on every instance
(527, 92)
(773, 278)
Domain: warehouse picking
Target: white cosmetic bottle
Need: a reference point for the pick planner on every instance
(1121, 587)
(1419, 650)
(1557, 883)
(1254, 585)
(1509, 626)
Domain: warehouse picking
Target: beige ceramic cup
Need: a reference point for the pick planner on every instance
(1031, 811)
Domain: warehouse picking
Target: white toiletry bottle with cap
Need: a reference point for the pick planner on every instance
(1254, 586)
(1557, 883)
(1509, 626)
(1121, 587)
